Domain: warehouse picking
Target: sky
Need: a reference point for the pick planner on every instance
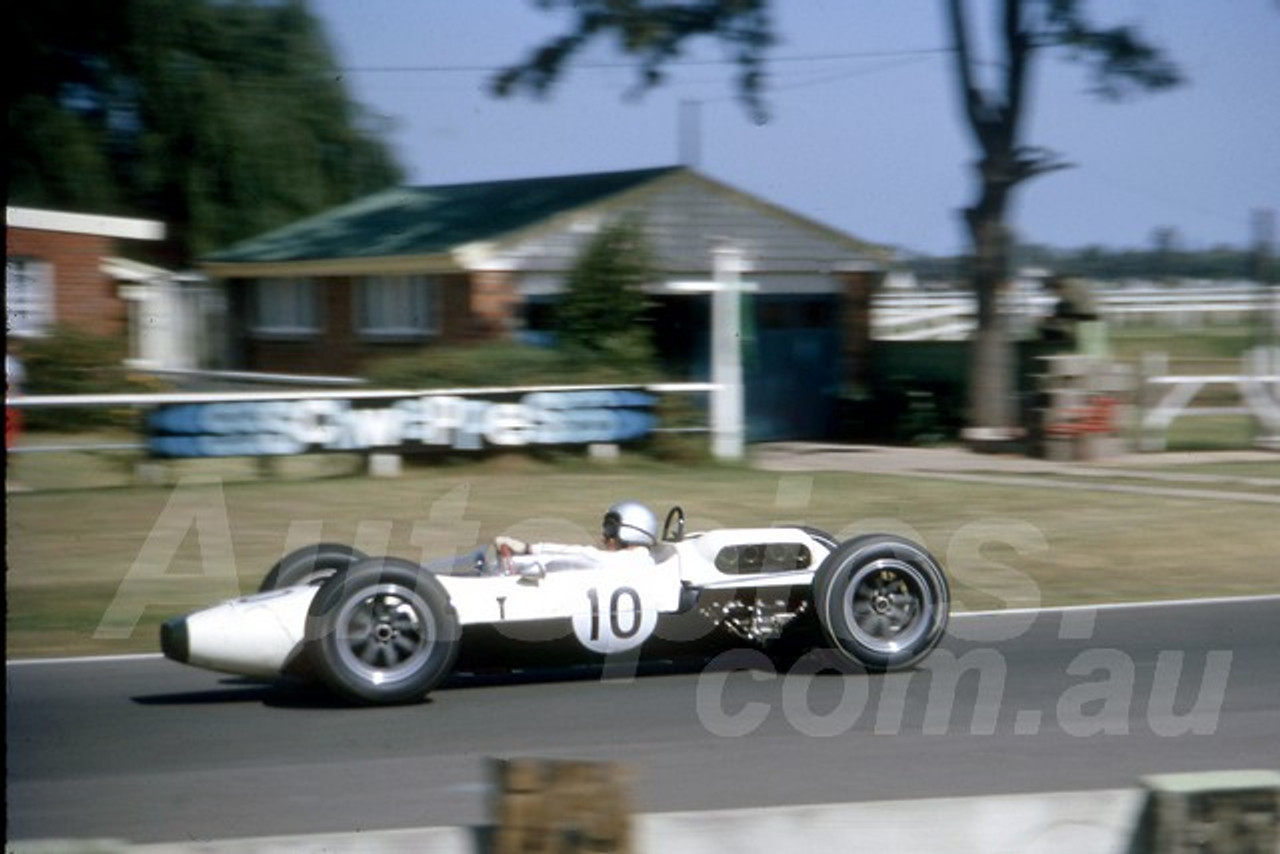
(865, 131)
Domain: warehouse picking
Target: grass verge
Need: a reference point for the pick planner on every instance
(94, 571)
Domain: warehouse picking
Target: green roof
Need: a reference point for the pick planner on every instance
(431, 220)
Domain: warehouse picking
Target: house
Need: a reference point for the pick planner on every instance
(71, 269)
(420, 266)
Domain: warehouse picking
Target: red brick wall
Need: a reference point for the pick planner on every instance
(331, 352)
(455, 309)
(855, 322)
(472, 307)
(83, 296)
(494, 300)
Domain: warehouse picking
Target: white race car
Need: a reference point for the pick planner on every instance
(381, 630)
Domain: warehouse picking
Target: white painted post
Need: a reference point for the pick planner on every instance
(1260, 387)
(727, 401)
(1150, 437)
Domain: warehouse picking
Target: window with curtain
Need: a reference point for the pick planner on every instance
(28, 296)
(286, 306)
(397, 306)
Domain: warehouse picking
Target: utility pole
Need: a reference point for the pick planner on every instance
(728, 397)
(1264, 229)
(728, 408)
(689, 131)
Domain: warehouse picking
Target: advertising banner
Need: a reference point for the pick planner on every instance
(400, 424)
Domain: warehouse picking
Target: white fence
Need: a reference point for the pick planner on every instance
(950, 315)
(1254, 391)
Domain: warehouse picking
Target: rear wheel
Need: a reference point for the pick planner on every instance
(882, 601)
(309, 565)
(382, 632)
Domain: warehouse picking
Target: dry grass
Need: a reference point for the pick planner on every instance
(96, 570)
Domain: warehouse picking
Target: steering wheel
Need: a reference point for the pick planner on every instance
(673, 528)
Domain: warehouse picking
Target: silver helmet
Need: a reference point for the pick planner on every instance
(631, 523)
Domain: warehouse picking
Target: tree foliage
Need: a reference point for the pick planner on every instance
(1118, 60)
(221, 118)
(654, 33)
(602, 311)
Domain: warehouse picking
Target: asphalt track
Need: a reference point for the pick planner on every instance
(147, 750)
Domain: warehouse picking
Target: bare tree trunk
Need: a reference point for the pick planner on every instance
(992, 381)
(993, 118)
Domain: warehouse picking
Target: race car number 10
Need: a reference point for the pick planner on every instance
(615, 621)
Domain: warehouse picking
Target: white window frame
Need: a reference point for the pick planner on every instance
(401, 307)
(286, 307)
(28, 296)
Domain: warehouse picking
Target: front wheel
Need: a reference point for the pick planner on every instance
(882, 601)
(383, 632)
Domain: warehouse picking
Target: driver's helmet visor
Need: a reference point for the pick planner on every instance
(612, 526)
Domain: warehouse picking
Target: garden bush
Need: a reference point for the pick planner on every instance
(69, 361)
(494, 364)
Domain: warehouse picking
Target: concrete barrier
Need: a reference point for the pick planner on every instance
(1055, 823)
(1233, 812)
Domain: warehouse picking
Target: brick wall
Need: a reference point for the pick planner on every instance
(83, 296)
(455, 309)
(855, 323)
(494, 300)
(473, 307)
(333, 351)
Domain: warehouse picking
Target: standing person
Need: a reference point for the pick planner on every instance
(1075, 320)
(15, 376)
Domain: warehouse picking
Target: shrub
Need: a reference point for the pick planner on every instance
(507, 364)
(69, 361)
(604, 300)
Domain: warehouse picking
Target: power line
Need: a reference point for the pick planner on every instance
(683, 63)
(835, 76)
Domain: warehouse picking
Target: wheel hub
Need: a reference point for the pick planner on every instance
(386, 632)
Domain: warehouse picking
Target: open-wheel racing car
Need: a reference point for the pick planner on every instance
(382, 630)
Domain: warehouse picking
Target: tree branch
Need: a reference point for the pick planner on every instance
(1018, 44)
(653, 33)
(970, 95)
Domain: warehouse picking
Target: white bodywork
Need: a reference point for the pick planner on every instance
(253, 635)
(612, 608)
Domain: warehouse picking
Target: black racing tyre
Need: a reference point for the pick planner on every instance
(382, 632)
(882, 601)
(821, 536)
(309, 565)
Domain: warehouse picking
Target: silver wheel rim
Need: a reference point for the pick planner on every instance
(384, 634)
(887, 606)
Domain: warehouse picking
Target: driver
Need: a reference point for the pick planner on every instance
(627, 533)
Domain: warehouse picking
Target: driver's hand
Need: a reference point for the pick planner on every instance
(515, 546)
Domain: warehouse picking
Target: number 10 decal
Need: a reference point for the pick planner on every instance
(620, 626)
(616, 620)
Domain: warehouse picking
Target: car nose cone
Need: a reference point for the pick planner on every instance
(175, 640)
